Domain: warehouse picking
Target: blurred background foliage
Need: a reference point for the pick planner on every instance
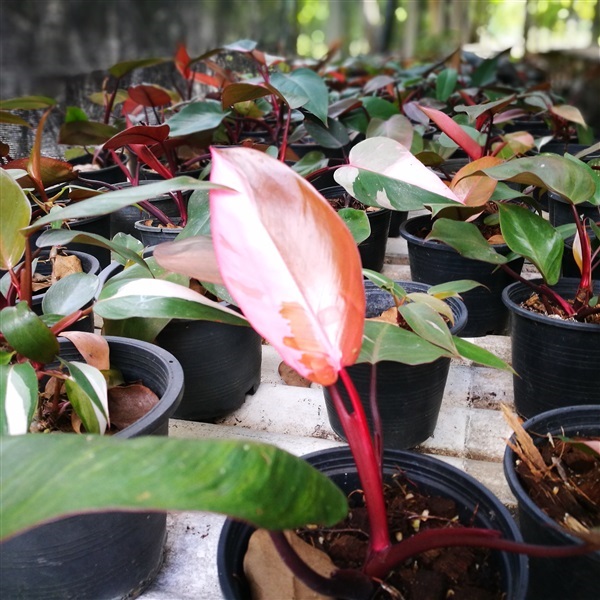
(45, 43)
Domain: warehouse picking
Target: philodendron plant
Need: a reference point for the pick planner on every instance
(301, 288)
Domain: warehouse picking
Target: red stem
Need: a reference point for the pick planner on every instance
(359, 439)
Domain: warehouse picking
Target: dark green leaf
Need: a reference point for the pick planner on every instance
(466, 239)
(255, 482)
(445, 84)
(196, 117)
(85, 133)
(315, 89)
(27, 103)
(379, 108)
(27, 334)
(332, 136)
(479, 355)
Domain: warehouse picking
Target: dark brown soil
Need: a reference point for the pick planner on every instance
(571, 487)
(535, 304)
(347, 201)
(458, 573)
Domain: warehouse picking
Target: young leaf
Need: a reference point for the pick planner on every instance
(428, 324)
(385, 341)
(255, 482)
(453, 289)
(16, 214)
(18, 398)
(445, 84)
(531, 236)
(87, 392)
(311, 310)
(121, 69)
(196, 117)
(480, 355)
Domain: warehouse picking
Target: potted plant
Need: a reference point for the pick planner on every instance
(564, 318)
(315, 320)
(69, 384)
(551, 464)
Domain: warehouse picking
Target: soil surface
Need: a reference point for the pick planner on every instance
(535, 304)
(457, 573)
(347, 201)
(569, 492)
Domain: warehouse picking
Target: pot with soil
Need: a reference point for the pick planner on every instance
(564, 494)
(560, 211)
(105, 555)
(446, 490)
(434, 262)
(556, 360)
(409, 397)
(372, 250)
(151, 232)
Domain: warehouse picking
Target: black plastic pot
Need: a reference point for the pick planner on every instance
(560, 213)
(123, 220)
(372, 250)
(434, 262)
(556, 361)
(397, 218)
(409, 397)
(154, 234)
(555, 578)
(429, 474)
(110, 174)
(221, 363)
(105, 555)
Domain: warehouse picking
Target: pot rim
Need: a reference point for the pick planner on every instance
(515, 293)
(419, 241)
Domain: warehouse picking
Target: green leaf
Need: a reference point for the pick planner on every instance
(445, 84)
(480, 355)
(12, 119)
(62, 237)
(16, 214)
(254, 482)
(74, 113)
(556, 173)
(315, 89)
(332, 136)
(18, 398)
(112, 201)
(466, 239)
(27, 334)
(196, 117)
(310, 162)
(290, 90)
(428, 324)
(241, 46)
(533, 237)
(70, 294)
(385, 341)
(121, 69)
(87, 392)
(379, 108)
(486, 72)
(397, 127)
(27, 103)
(158, 298)
(593, 173)
(357, 222)
(453, 288)
(198, 215)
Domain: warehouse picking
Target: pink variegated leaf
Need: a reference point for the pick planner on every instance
(289, 261)
(454, 131)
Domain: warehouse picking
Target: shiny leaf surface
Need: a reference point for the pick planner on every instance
(18, 398)
(16, 214)
(255, 482)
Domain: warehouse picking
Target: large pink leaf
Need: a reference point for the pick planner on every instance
(289, 262)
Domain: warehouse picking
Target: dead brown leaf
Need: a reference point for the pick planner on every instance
(93, 348)
(64, 266)
(128, 404)
(268, 576)
(292, 377)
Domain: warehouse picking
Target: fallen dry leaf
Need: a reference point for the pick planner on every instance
(268, 576)
(127, 404)
(292, 377)
(64, 266)
(93, 348)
